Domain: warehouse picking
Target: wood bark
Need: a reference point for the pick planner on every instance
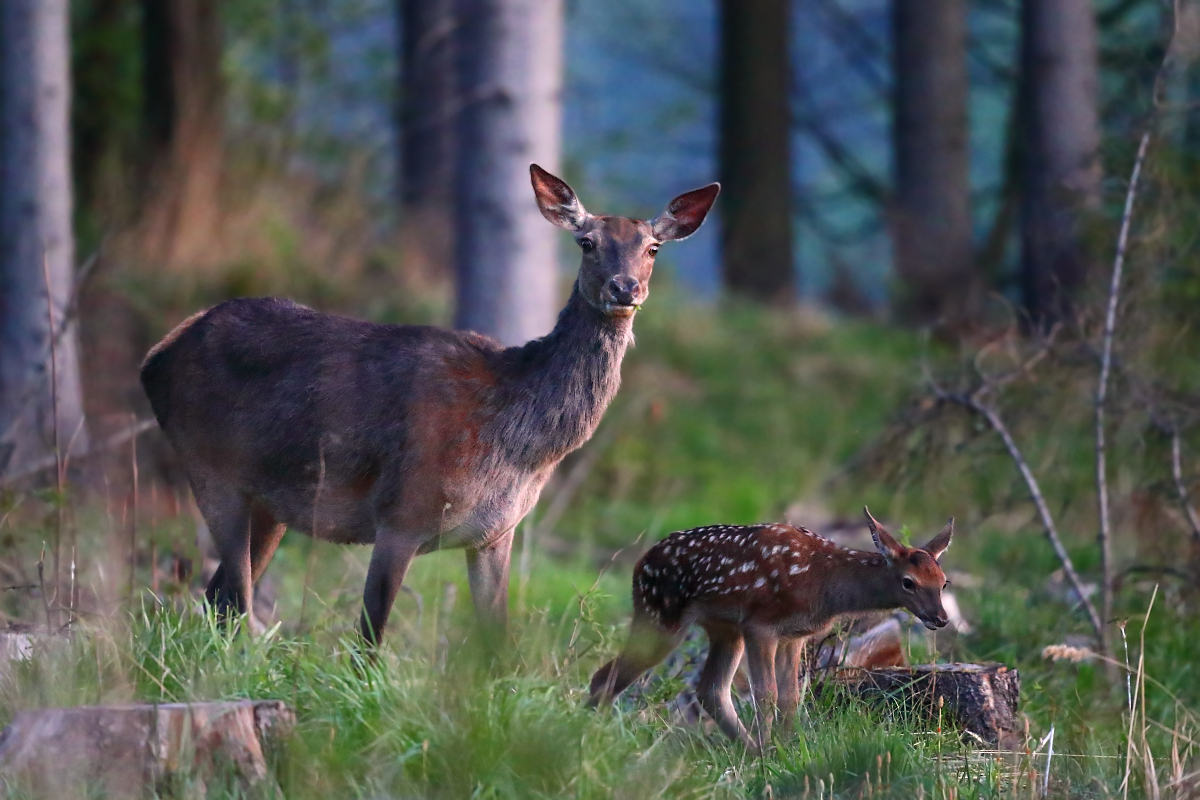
(931, 212)
(41, 400)
(1060, 143)
(134, 751)
(183, 124)
(754, 155)
(980, 698)
(427, 109)
(509, 63)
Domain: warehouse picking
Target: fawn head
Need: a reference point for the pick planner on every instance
(917, 575)
(618, 252)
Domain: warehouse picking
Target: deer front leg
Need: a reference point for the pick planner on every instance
(760, 653)
(725, 648)
(487, 573)
(788, 658)
(389, 564)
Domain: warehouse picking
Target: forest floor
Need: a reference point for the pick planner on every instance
(724, 417)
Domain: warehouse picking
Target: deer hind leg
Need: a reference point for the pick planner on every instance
(725, 646)
(227, 512)
(648, 645)
(761, 647)
(265, 535)
(788, 658)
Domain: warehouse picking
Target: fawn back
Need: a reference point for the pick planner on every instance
(409, 437)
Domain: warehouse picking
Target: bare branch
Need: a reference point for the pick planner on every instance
(119, 438)
(1181, 487)
(972, 403)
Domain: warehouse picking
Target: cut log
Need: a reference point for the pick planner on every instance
(980, 698)
(136, 750)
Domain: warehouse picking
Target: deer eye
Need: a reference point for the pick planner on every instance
(587, 244)
(909, 584)
(653, 251)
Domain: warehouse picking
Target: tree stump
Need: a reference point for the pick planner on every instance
(137, 750)
(980, 698)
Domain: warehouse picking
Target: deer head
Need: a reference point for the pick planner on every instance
(618, 252)
(917, 577)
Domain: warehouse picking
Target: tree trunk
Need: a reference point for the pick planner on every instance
(931, 214)
(1060, 142)
(183, 121)
(510, 81)
(427, 113)
(39, 365)
(754, 158)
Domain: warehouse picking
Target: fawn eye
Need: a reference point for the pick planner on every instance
(909, 584)
(945, 585)
(587, 244)
(653, 251)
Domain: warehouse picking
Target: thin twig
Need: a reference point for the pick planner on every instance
(133, 517)
(1104, 534)
(116, 440)
(58, 462)
(973, 403)
(1181, 489)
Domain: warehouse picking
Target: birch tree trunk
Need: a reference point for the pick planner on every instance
(37, 247)
(931, 213)
(427, 112)
(510, 83)
(754, 158)
(1061, 139)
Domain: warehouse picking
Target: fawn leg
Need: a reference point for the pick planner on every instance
(487, 574)
(648, 644)
(725, 648)
(788, 657)
(389, 563)
(760, 653)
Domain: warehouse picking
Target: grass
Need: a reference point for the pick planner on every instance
(725, 416)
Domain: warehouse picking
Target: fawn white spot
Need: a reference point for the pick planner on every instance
(796, 569)
(774, 573)
(761, 582)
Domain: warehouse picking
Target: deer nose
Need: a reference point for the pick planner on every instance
(623, 289)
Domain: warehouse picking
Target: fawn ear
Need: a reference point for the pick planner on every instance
(556, 200)
(938, 544)
(684, 215)
(884, 543)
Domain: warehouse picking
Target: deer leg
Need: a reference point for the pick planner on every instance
(265, 535)
(725, 648)
(788, 657)
(648, 645)
(228, 516)
(487, 574)
(389, 563)
(760, 653)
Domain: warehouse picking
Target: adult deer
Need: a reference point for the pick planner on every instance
(409, 437)
(763, 590)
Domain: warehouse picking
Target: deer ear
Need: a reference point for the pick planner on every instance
(684, 215)
(556, 200)
(884, 543)
(938, 544)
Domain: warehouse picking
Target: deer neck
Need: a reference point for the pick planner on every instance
(563, 382)
(858, 582)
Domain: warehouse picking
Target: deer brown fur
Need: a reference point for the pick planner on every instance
(762, 590)
(408, 437)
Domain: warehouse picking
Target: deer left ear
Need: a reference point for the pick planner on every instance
(891, 549)
(684, 215)
(938, 544)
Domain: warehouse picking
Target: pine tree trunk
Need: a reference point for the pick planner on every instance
(754, 158)
(183, 96)
(510, 82)
(37, 246)
(427, 113)
(931, 213)
(1061, 139)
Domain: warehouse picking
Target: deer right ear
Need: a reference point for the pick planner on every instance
(884, 543)
(556, 200)
(684, 215)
